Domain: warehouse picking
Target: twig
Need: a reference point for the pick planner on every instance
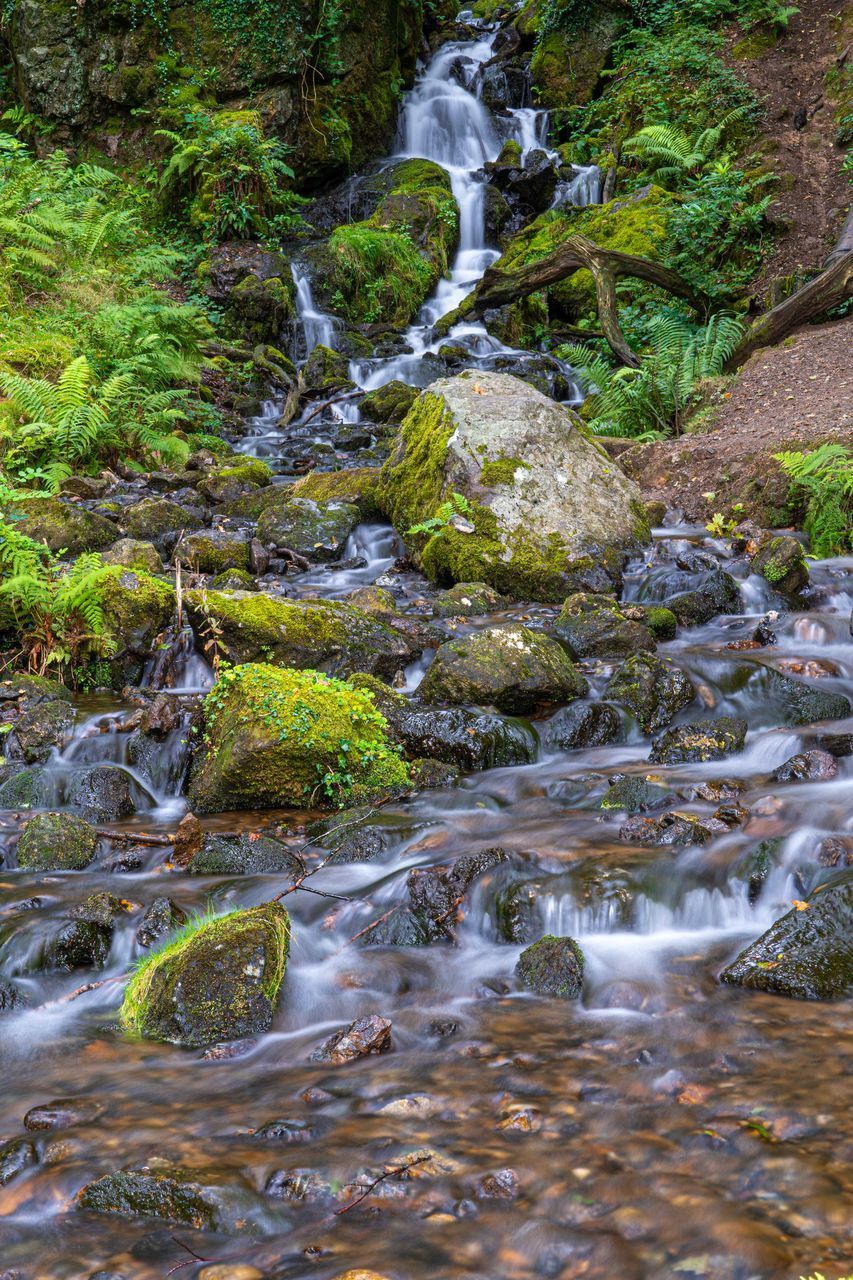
(391, 1173)
(327, 404)
(373, 925)
(81, 991)
(137, 837)
(194, 1257)
(306, 873)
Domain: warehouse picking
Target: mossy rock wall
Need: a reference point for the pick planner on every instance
(567, 64)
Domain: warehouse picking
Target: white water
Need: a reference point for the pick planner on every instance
(318, 328)
(582, 189)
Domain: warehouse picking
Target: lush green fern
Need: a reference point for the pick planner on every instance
(825, 478)
(671, 155)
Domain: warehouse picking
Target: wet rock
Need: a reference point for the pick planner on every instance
(503, 1184)
(350, 837)
(161, 917)
(195, 1198)
(218, 982)
(652, 688)
(27, 789)
(189, 839)
(238, 476)
(755, 866)
(839, 745)
(365, 1037)
(633, 795)
(715, 790)
(680, 829)
(552, 967)
(56, 842)
(583, 724)
(835, 851)
(317, 531)
(468, 599)
(15, 1158)
(248, 762)
(159, 521)
(540, 494)
(594, 626)
(699, 741)
(389, 403)
(305, 1185)
(103, 793)
(84, 942)
(807, 766)
(800, 703)
(42, 727)
(719, 593)
(808, 953)
(137, 610)
(131, 553)
(243, 855)
(213, 551)
(63, 1113)
(322, 635)
(64, 527)
(661, 622)
(234, 580)
(230, 1271)
(435, 895)
(782, 562)
(288, 1132)
(11, 997)
(510, 667)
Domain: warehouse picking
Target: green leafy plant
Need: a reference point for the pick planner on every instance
(670, 154)
(824, 478)
(446, 517)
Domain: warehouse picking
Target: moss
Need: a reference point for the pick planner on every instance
(501, 471)
(412, 489)
(233, 580)
(661, 622)
(136, 608)
(62, 527)
(390, 403)
(359, 486)
(56, 842)
(218, 978)
(283, 738)
(754, 45)
(552, 967)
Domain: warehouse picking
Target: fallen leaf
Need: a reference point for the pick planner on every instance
(801, 906)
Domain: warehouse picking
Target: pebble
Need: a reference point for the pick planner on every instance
(365, 1036)
(61, 1114)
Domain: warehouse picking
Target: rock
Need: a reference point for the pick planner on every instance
(64, 527)
(276, 738)
(509, 667)
(719, 593)
(311, 529)
(240, 475)
(323, 635)
(364, 1037)
(699, 741)
(159, 1190)
(552, 967)
(538, 495)
(63, 1113)
(11, 997)
(56, 842)
(468, 599)
(104, 793)
(213, 551)
(161, 917)
(84, 942)
(389, 403)
(357, 485)
(243, 855)
(808, 766)
(219, 981)
(130, 553)
(800, 703)
(567, 64)
(652, 688)
(503, 1184)
(583, 724)
(15, 1158)
(782, 562)
(435, 895)
(593, 626)
(633, 795)
(325, 371)
(43, 726)
(808, 953)
(678, 829)
(305, 1185)
(230, 1271)
(233, 580)
(159, 521)
(755, 866)
(137, 609)
(835, 851)
(28, 789)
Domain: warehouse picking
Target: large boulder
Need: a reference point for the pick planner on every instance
(217, 981)
(159, 520)
(567, 63)
(534, 494)
(278, 738)
(324, 635)
(63, 527)
(808, 953)
(56, 842)
(510, 667)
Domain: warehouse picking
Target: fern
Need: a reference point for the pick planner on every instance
(671, 154)
(824, 478)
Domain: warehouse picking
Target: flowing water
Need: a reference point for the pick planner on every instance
(662, 1126)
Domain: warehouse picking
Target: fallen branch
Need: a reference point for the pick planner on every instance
(368, 1190)
(327, 404)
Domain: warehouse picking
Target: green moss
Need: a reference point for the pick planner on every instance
(661, 622)
(359, 486)
(247, 470)
(754, 45)
(566, 64)
(501, 471)
(411, 490)
(136, 607)
(56, 842)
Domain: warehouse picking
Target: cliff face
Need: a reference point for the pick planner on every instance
(325, 74)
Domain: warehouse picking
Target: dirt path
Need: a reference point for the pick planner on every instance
(796, 395)
(799, 130)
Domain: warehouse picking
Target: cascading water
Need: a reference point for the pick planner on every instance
(317, 327)
(582, 189)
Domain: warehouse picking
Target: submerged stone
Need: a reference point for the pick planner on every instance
(15, 1158)
(633, 794)
(700, 741)
(552, 967)
(808, 766)
(240, 855)
(218, 981)
(719, 593)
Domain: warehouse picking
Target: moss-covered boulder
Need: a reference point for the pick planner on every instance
(718, 593)
(64, 527)
(510, 667)
(700, 741)
(390, 403)
(158, 520)
(808, 953)
(205, 1200)
(534, 493)
(317, 531)
(241, 856)
(593, 626)
(468, 599)
(325, 635)
(278, 738)
(358, 486)
(129, 553)
(238, 476)
(137, 608)
(652, 688)
(325, 371)
(213, 551)
(42, 726)
(570, 57)
(797, 702)
(552, 967)
(782, 562)
(233, 580)
(217, 980)
(56, 842)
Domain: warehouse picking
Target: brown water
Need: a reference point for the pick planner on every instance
(662, 1126)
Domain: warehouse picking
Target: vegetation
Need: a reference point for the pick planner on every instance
(824, 478)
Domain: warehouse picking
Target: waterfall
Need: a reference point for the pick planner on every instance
(317, 327)
(583, 188)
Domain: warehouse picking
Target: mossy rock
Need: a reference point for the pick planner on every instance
(217, 980)
(325, 371)
(632, 794)
(583, 724)
(129, 553)
(652, 688)
(237, 477)
(358, 486)
(808, 953)
(63, 527)
(522, 534)
(214, 551)
(192, 1197)
(552, 967)
(390, 403)
(511, 668)
(240, 856)
(42, 727)
(317, 531)
(233, 580)
(468, 599)
(662, 622)
(718, 593)
(700, 741)
(593, 626)
(797, 702)
(157, 519)
(278, 738)
(137, 608)
(782, 563)
(325, 635)
(56, 842)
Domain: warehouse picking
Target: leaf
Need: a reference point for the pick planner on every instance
(801, 906)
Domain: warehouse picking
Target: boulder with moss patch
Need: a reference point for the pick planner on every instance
(699, 741)
(56, 842)
(652, 688)
(130, 553)
(236, 477)
(137, 608)
(520, 533)
(205, 1200)
(389, 403)
(64, 527)
(278, 738)
(213, 551)
(552, 967)
(217, 980)
(317, 531)
(356, 485)
(782, 562)
(158, 520)
(593, 626)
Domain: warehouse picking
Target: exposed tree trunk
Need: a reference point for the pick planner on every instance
(829, 289)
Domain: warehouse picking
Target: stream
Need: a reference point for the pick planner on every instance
(664, 1125)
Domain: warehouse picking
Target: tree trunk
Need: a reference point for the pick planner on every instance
(829, 289)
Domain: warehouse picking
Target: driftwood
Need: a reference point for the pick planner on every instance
(498, 288)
